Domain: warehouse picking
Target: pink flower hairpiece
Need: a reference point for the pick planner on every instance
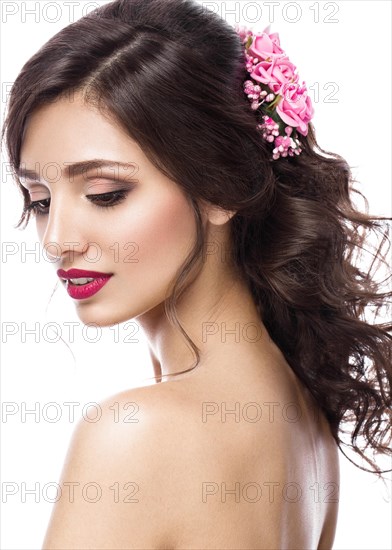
(274, 88)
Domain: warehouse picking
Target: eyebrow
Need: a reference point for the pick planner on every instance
(77, 168)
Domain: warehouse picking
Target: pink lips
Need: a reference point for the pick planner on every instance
(81, 292)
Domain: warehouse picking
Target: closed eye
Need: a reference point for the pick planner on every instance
(103, 200)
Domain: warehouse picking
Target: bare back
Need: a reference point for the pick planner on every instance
(269, 477)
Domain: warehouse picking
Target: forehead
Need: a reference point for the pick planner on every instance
(69, 130)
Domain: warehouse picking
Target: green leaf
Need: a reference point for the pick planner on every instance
(249, 42)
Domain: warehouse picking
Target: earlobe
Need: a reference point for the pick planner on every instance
(215, 214)
(218, 216)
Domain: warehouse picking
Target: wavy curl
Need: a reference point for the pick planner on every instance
(171, 73)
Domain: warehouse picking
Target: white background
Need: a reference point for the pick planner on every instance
(346, 49)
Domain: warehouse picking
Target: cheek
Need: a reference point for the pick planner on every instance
(159, 236)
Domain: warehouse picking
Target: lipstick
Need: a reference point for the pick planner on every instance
(82, 284)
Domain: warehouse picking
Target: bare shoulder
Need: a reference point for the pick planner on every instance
(127, 475)
(112, 476)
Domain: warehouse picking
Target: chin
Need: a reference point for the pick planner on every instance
(90, 314)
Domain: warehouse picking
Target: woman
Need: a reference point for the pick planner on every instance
(231, 242)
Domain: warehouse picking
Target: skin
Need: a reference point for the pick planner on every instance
(181, 445)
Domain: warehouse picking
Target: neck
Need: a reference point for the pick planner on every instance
(220, 317)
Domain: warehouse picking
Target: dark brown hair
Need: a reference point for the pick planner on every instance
(171, 74)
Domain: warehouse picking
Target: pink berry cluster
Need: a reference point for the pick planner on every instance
(284, 145)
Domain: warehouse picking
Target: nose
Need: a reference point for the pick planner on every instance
(64, 235)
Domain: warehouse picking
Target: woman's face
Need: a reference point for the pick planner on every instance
(141, 241)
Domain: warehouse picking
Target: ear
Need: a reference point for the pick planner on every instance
(215, 214)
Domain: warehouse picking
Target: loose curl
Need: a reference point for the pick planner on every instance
(171, 74)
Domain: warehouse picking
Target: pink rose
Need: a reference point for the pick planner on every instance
(265, 45)
(275, 73)
(295, 108)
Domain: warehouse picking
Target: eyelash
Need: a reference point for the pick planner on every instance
(118, 196)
